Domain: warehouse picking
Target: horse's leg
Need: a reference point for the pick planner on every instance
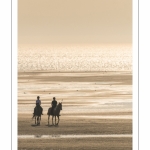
(52, 120)
(39, 119)
(55, 120)
(58, 119)
(35, 119)
(48, 119)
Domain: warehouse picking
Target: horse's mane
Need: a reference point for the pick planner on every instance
(58, 105)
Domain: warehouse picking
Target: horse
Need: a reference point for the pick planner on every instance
(37, 115)
(56, 112)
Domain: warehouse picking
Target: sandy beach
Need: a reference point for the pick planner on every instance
(94, 103)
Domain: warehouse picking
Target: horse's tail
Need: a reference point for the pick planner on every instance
(34, 113)
(33, 116)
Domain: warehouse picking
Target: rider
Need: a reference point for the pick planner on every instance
(38, 103)
(54, 104)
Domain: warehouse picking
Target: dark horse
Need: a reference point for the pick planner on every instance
(56, 112)
(37, 114)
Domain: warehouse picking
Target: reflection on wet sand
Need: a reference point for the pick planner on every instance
(73, 136)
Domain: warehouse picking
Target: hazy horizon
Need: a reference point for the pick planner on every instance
(80, 21)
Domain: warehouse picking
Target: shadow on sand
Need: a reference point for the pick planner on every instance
(34, 125)
(51, 125)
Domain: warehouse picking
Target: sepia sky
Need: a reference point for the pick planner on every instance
(74, 21)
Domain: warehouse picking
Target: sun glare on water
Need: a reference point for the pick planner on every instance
(75, 58)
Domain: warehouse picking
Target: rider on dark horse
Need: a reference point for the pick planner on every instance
(38, 104)
(54, 104)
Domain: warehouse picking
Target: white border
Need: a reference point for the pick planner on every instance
(14, 74)
(135, 73)
(5, 74)
(144, 74)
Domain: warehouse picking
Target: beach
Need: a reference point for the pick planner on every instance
(96, 110)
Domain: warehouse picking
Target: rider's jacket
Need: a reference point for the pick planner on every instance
(38, 102)
(54, 103)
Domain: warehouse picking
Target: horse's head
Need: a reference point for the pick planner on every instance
(60, 105)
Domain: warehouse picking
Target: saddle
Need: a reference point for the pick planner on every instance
(51, 111)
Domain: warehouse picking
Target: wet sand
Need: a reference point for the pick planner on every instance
(102, 130)
(73, 125)
(94, 103)
(76, 144)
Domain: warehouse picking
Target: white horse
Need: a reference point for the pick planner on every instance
(56, 112)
